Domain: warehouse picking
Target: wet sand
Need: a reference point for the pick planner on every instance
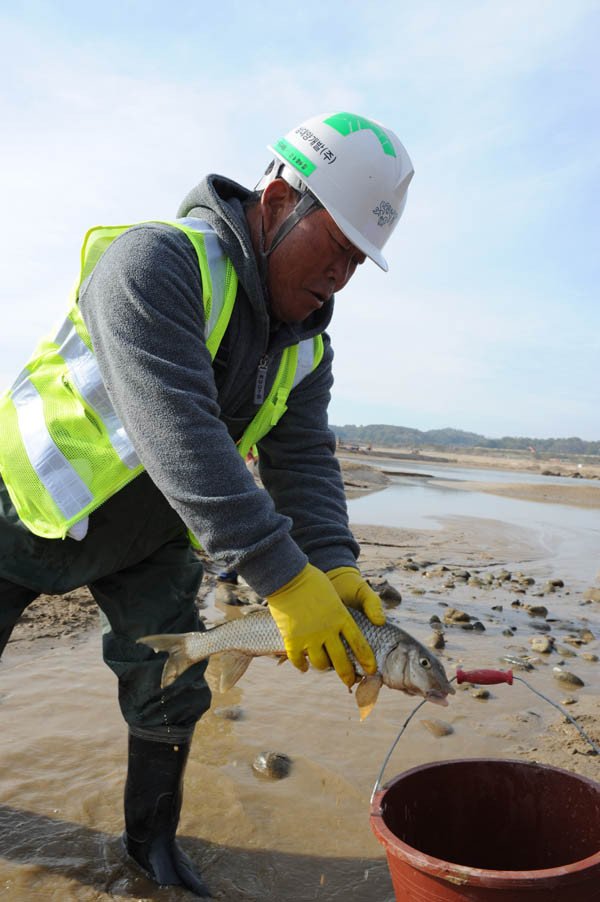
(573, 495)
(584, 466)
(306, 837)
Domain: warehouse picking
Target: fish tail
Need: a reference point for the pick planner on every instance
(178, 660)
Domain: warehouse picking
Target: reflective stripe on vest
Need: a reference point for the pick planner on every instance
(83, 369)
(68, 452)
(64, 451)
(66, 487)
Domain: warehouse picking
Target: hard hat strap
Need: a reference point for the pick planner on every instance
(307, 203)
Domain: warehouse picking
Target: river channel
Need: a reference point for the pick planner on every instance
(421, 496)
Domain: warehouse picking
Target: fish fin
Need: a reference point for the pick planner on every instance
(178, 660)
(366, 694)
(233, 666)
(281, 659)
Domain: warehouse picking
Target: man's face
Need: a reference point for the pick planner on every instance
(313, 261)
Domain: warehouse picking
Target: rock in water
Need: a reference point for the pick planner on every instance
(437, 640)
(231, 712)
(536, 610)
(483, 694)
(274, 765)
(542, 644)
(438, 728)
(453, 615)
(390, 595)
(567, 678)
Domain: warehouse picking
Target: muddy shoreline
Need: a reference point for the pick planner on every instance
(65, 753)
(67, 617)
(584, 466)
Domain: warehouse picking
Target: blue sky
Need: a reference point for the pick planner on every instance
(489, 317)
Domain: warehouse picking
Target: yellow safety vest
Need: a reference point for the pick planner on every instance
(64, 451)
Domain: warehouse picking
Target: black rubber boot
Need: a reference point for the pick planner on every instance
(153, 796)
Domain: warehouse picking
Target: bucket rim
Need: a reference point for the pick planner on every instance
(461, 874)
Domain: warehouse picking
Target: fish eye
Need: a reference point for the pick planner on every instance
(425, 663)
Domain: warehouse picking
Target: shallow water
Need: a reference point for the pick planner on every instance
(570, 534)
(466, 474)
(307, 837)
(417, 501)
(303, 838)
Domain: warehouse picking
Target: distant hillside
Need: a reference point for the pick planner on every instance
(392, 436)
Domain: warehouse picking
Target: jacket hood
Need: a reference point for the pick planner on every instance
(219, 201)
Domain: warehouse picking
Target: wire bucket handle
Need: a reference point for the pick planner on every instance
(482, 677)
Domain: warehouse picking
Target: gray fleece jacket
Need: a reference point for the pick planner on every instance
(143, 308)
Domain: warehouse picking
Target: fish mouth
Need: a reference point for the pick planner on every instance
(437, 697)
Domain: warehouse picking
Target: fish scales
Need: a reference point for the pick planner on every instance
(256, 634)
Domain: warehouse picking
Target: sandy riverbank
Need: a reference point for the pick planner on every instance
(574, 495)
(570, 468)
(306, 837)
(68, 616)
(360, 475)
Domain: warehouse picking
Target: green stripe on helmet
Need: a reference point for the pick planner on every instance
(346, 123)
(293, 156)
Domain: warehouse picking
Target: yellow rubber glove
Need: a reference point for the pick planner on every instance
(355, 592)
(312, 619)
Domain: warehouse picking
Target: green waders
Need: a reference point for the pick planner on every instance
(138, 564)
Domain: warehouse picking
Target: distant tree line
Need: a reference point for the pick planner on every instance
(381, 434)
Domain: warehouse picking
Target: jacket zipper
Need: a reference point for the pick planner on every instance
(261, 379)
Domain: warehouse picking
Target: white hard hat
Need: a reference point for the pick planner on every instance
(356, 168)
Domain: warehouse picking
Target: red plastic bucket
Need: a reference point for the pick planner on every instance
(474, 829)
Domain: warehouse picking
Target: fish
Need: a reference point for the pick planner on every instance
(402, 662)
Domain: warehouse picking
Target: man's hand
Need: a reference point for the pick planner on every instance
(312, 621)
(355, 592)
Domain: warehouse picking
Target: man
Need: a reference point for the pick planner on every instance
(183, 341)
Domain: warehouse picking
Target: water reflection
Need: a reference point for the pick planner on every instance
(414, 504)
(568, 536)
